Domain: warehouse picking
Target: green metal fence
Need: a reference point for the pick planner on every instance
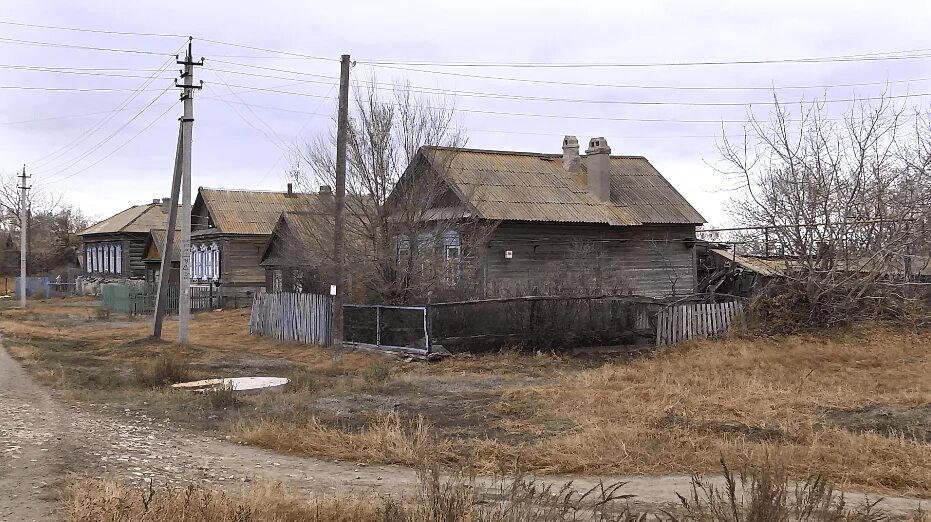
(130, 300)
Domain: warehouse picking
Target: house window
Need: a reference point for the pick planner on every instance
(119, 258)
(205, 262)
(276, 281)
(452, 258)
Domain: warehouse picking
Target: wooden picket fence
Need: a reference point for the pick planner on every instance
(695, 321)
(300, 317)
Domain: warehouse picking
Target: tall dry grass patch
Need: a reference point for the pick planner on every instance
(388, 439)
(751, 494)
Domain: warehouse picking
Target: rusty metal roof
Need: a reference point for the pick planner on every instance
(524, 186)
(251, 211)
(135, 219)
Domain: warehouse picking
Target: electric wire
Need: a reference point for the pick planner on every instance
(114, 151)
(58, 153)
(84, 30)
(82, 47)
(99, 145)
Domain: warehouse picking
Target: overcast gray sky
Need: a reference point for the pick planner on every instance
(240, 133)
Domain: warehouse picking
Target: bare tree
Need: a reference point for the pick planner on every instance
(399, 246)
(53, 225)
(842, 200)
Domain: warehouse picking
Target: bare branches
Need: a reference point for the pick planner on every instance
(406, 235)
(845, 202)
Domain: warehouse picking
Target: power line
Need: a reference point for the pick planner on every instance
(93, 129)
(65, 167)
(64, 117)
(437, 90)
(595, 118)
(75, 89)
(83, 30)
(891, 55)
(636, 102)
(114, 151)
(769, 88)
(266, 50)
(83, 47)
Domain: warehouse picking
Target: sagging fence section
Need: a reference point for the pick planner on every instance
(305, 318)
(684, 322)
(543, 323)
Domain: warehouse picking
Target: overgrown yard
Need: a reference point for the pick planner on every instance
(853, 404)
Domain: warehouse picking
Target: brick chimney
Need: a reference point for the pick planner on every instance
(166, 204)
(290, 190)
(598, 163)
(570, 154)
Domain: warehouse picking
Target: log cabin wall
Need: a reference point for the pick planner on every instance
(583, 259)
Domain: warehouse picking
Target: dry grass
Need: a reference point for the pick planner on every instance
(388, 439)
(677, 411)
(752, 495)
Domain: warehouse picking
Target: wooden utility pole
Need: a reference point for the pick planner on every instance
(342, 135)
(23, 235)
(181, 182)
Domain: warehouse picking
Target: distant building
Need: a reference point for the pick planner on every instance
(230, 230)
(115, 247)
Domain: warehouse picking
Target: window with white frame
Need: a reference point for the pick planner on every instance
(205, 262)
(104, 258)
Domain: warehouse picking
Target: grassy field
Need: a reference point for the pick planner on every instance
(853, 404)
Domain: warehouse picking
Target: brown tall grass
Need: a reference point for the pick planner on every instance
(676, 411)
(750, 495)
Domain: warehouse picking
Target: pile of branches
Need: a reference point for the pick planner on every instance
(797, 305)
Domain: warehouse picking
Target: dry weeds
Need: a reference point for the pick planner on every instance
(676, 411)
(752, 495)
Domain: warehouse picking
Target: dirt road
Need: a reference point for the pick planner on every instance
(42, 440)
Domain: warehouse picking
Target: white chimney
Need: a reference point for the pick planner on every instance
(598, 163)
(570, 154)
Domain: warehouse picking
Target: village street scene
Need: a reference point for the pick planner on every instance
(486, 262)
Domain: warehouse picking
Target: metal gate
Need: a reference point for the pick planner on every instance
(390, 328)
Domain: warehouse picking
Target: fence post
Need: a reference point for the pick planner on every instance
(377, 326)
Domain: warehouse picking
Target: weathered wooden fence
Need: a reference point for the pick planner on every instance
(297, 317)
(694, 321)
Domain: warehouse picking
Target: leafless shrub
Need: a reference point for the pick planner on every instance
(841, 203)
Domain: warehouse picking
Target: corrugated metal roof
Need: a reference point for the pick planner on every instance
(251, 211)
(525, 186)
(135, 219)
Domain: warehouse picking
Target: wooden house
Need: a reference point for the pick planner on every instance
(153, 256)
(229, 233)
(115, 247)
(563, 223)
(295, 257)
